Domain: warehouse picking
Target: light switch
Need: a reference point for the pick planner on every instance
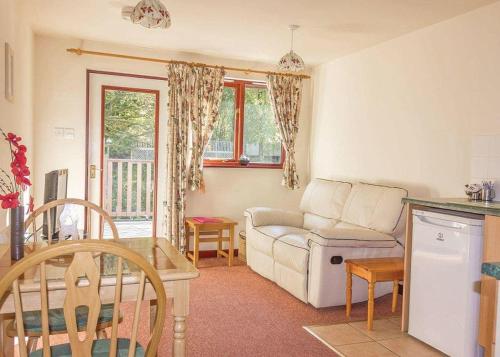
(69, 133)
(58, 132)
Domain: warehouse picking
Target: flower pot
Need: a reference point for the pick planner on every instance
(17, 233)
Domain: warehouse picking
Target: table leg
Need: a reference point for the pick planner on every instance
(348, 294)
(187, 231)
(180, 312)
(231, 245)
(7, 343)
(219, 243)
(196, 248)
(395, 290)
(371, 303)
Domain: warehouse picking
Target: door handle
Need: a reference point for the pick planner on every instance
(93, 170)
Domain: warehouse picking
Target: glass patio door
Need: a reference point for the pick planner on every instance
(123, 167)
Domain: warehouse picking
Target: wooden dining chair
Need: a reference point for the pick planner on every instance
(57, 325)
(32, 224)
(82, 279)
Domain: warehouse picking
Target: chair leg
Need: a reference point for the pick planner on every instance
(371, 304)
(395, 290)
(348, 295)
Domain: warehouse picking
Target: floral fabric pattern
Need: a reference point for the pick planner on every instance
(177, 149)
(195, 94)
(208, 84)
(286, 96)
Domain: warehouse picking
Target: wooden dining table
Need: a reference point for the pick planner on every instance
(174, 269)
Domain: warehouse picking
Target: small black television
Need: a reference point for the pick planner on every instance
(56, 187)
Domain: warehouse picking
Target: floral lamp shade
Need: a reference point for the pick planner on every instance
(291, 62)
(151, 14)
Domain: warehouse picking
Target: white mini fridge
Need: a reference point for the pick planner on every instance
(445, 278)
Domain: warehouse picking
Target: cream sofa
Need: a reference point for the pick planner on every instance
(303, 252)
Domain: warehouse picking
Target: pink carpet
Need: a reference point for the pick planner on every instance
(236, 312)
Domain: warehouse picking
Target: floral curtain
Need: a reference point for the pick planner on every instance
(195, 94)
(286, 95)
(179, 80)
(208, 84)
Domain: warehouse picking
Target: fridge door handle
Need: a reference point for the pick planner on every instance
(441, 223)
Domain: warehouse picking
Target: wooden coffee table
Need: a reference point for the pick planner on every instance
(210, 232)
(374, 270)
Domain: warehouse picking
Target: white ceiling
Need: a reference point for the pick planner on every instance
(250, 29)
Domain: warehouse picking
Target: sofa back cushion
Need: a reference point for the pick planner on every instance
(323, 201)
(374, 206)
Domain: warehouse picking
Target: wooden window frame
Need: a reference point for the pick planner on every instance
(239, 122)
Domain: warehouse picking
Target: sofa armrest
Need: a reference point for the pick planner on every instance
(351, 237)
(264, 216)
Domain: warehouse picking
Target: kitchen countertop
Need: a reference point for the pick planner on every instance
(458, 204)
(491, 269)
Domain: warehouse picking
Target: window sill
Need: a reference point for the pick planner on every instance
(237, 165)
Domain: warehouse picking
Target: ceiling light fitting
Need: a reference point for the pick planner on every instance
(148, 13)
(291, 62)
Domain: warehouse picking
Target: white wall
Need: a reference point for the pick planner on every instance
(406, 111)
(60, 102)
(16, 115)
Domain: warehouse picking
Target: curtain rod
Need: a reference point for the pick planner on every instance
(80, 52)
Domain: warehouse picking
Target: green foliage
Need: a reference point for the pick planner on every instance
(224, 129)
(129, 121)
(260, 126)
(260, 129)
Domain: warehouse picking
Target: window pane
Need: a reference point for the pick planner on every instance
(261, 141)
(129, 161)
(221, 144)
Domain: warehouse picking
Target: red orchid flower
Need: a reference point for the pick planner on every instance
(20, 171)
(13, 139)
(10, 200)
(31, 205)
(23, 181)
(20, 158)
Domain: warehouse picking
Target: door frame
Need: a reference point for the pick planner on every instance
(89, 72)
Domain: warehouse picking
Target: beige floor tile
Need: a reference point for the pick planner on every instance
(382, 329)
(366, 349)
(410, 347)
(396, 320)
(341, 334)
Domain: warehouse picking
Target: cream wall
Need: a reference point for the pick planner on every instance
(16, 115)
(414, 111)
(60, 102)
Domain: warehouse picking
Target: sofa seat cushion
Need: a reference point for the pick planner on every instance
(266, 235)
(292, 251)
(349, 235)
